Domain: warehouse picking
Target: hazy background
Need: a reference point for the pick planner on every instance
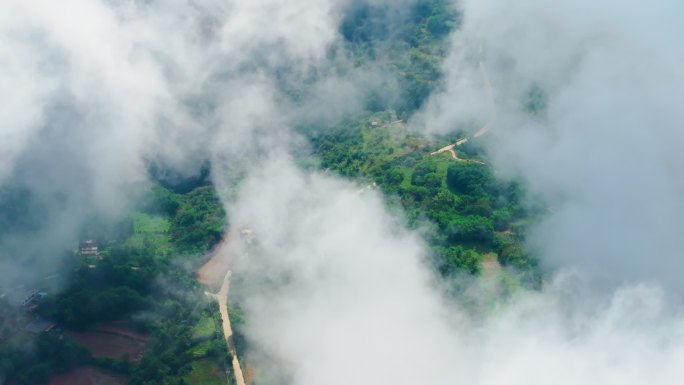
(583, 107)
(97, 92)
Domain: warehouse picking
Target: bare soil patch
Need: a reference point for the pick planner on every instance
(87, 375)
(104, 345)
(112, 340)
(122, 328)
(212, 272)
(249, 374)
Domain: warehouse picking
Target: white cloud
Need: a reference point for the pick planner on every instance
(605, 152)
(337, 291)
(343, 295)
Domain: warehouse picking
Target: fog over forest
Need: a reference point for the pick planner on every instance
(581, 103)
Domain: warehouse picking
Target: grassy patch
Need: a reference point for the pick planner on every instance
(152, 230)
(150, 224)
(200, 350)
(205, 328)
(206, 372)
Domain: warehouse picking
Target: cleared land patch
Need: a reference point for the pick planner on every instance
(112, 340)
(87, 375)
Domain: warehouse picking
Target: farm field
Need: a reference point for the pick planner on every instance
(87, 375)
(112, 340)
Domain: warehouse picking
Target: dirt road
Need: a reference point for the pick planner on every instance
(490, 95)
(222, 298)
(451, 149)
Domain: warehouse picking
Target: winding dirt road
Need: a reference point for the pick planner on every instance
(222, 298)
(451, 149)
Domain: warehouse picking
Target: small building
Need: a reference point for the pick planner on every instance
(89, 247)
(38, 326)
(374, 124)
(31, 303)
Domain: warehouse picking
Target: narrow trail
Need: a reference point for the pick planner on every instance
(222, 298)
(452, 147)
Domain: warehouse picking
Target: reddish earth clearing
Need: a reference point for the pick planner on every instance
(87, 376)
(121, 328)
(212, 272)
(112, 341)
(249, 374)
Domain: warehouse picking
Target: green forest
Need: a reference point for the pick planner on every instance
(144, 272)
(139, 271)
(472, 212)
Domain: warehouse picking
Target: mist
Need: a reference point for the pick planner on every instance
(583, 107)
(97, 92)
(343, 292)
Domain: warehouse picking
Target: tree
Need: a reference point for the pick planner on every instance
(456, 258)
(470, 178)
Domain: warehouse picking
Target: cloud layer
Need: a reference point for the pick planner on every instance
(584, 106)
(336, 291)
(96, 91)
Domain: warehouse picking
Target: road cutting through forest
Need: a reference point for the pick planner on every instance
(452, 147)
(209, 275)
(222, 299)
(452, 151)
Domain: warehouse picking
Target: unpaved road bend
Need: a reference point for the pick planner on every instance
(452, 147)
(222, 298)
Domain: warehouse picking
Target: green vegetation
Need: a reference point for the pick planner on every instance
(144, 271)
(196, 220)
(177, 350)
(51, 353)
(469, 211)
(206, 372)
(151, 231)
(141, 269)
(238, 321)
(410, 45)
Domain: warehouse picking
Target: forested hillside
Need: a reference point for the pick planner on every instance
(143, 273)
(473, 212)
